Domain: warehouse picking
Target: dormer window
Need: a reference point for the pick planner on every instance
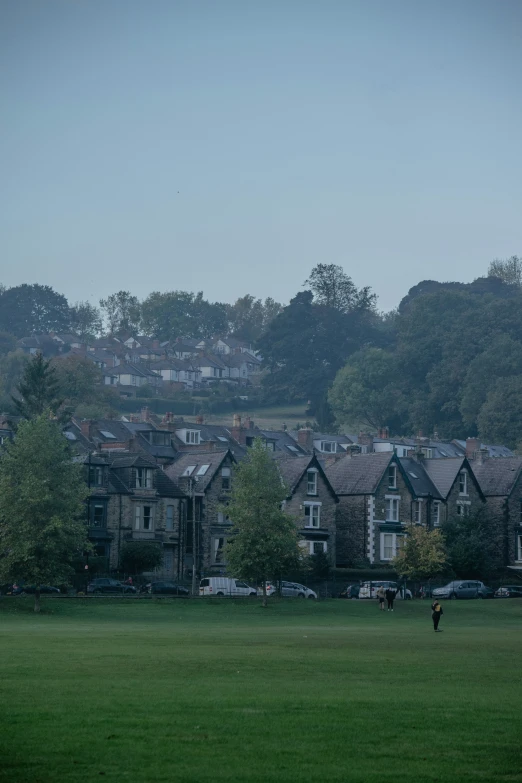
(463, 483)
(96, 475)
(328, 446)
(311, 482)
(392, 477)
(143, 478)
(192, 436)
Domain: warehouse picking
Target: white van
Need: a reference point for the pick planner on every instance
(222, 585)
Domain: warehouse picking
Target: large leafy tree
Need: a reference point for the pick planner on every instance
(332, 287)
(27, 309)
(86, 320)
(499, 420)
(423, 555)
(250, 317)
(42, 509)
(78, 381)
(307, 344)
(171, 314)
(509, 270)
(264, 542)
(38, 390)
(122, 313)
(366, 391)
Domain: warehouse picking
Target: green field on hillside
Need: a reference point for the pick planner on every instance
(224, 690)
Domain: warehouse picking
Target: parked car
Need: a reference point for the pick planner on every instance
(463, 588)
(166, 588)
(222, 585)
(509, 591)
(289, 590)
(351, 591)
(31, 589)
(103, 585)
(369, 589)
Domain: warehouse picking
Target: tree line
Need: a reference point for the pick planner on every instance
(447, 361)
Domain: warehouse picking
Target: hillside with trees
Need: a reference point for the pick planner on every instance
(448, 360)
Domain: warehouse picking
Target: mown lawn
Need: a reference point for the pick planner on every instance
(335, 691)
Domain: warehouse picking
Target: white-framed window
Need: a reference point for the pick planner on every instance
(519, 547)
(392, 509)
(192, 436)
(435, 513)
(143, 478)
(328, 446)
(218, 555)
(390, 545)
(417, 511)
(96, 475)
(463, 509)
(313, 547)
(392, 477)
(313, 514)
(144, 518)
(428, 453)
(169, 525)
(311, 482)
(226, 476)
(98, 515)
(463, 483)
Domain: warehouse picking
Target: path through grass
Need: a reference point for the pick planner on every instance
(198, 691)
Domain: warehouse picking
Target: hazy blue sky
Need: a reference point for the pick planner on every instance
(230, 145)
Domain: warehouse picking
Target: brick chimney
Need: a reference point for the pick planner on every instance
(365, 440)
(383, 433)
(305, 438)
(472, 447)
(85, 427)
(237, 431)
(249, 423)
(145, 414)
(199, 419)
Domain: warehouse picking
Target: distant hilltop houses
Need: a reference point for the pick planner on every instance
(128, 361)
(353, 497)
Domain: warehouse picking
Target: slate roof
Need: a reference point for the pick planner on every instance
(497, 476)
(443, 472)
(359, 474)
(292, 469)
(419, 479)
(133, 369)
(197, 458)
(493, 451)
(284, 442)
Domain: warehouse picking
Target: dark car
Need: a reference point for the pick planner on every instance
(31, 589)
(463, 588)
(509, 591)
(351, 591)
(109, 586)
(167, 588)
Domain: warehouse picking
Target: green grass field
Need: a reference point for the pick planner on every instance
(197, 691)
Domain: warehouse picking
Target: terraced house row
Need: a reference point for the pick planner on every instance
(168, 481)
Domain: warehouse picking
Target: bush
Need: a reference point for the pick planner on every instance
(139, 556)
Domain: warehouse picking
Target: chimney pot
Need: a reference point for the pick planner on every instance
(472, 447)
(305, 438)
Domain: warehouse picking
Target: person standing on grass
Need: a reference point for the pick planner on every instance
(390, 597)
(436, 614)
(380, 597)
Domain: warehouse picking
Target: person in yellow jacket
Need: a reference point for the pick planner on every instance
(436, 614)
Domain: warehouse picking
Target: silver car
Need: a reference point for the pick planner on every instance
(288, 590)
(463, 588)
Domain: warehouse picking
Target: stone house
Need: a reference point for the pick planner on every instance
(205, 479)
(501, 483)
(312, 502)
(132, 500)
